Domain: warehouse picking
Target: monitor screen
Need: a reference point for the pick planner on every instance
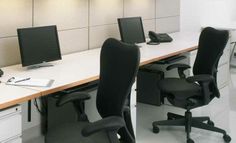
(131, 30)
(38, 45)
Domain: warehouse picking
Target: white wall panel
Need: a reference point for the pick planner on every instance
(73, 40)
(105, 11)
(165, 8)
(143, 8)
(14, 14)
(195, 13)
(66, 14)
(99, 34)
(9, 51)
(167, 25)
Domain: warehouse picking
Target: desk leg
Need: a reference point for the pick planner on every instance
(29, 111)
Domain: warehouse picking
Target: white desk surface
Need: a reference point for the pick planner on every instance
(83, 67)
(12, 95)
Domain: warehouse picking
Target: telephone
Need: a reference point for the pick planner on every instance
(162, 37)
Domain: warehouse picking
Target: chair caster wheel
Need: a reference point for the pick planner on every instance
(190, 141)
(227, 138)
(155, 130)
(211, 123)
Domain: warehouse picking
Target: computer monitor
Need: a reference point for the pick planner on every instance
(38, 45)
(131, 30)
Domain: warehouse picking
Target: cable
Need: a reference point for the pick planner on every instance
(42, 111)
(37, 107)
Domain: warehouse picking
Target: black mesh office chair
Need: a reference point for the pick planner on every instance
(119, 64)
(198, 90)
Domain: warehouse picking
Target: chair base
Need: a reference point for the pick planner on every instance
(188, 122)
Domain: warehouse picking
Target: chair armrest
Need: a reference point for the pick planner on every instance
(106, 124)
(200, 78)
(75, 96)
(204, 81)
(181, 68)
(233, 42)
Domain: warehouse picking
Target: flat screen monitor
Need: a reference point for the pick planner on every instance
(131, 30)
(38, 45)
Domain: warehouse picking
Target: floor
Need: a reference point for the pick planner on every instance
(224, 118)
(146, 115)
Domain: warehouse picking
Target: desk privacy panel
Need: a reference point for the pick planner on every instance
(82, 24)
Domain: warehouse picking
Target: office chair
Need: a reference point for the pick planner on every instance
(198, 90)
(119, 64)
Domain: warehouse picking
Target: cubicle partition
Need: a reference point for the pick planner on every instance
(82, 24)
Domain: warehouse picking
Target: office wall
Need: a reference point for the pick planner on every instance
(233, 10)
(194, 13)
(82, 24)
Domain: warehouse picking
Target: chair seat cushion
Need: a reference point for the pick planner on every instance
(176, 85)
(179, 90)
(71, 133)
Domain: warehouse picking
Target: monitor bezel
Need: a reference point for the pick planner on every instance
(121, 30)
(23, 62)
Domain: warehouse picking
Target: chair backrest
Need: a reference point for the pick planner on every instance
(119, 64)
(210, 48)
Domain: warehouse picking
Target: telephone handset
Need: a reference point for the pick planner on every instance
(161, 37)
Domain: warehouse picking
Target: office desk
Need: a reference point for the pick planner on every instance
(80, 68)
(11, 95)
(83, 67)
(10, 119)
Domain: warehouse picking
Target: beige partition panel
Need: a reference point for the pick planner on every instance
(66, 14)
(103, 21)
(14, 14)
(143, 8)
(9, 51)
(98, 34)
(79, 38)
(103, 12)
(82, 24)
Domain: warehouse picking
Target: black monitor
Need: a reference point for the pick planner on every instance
(131, 30)
(38, 45)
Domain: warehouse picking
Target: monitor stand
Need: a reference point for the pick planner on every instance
(44, 64)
